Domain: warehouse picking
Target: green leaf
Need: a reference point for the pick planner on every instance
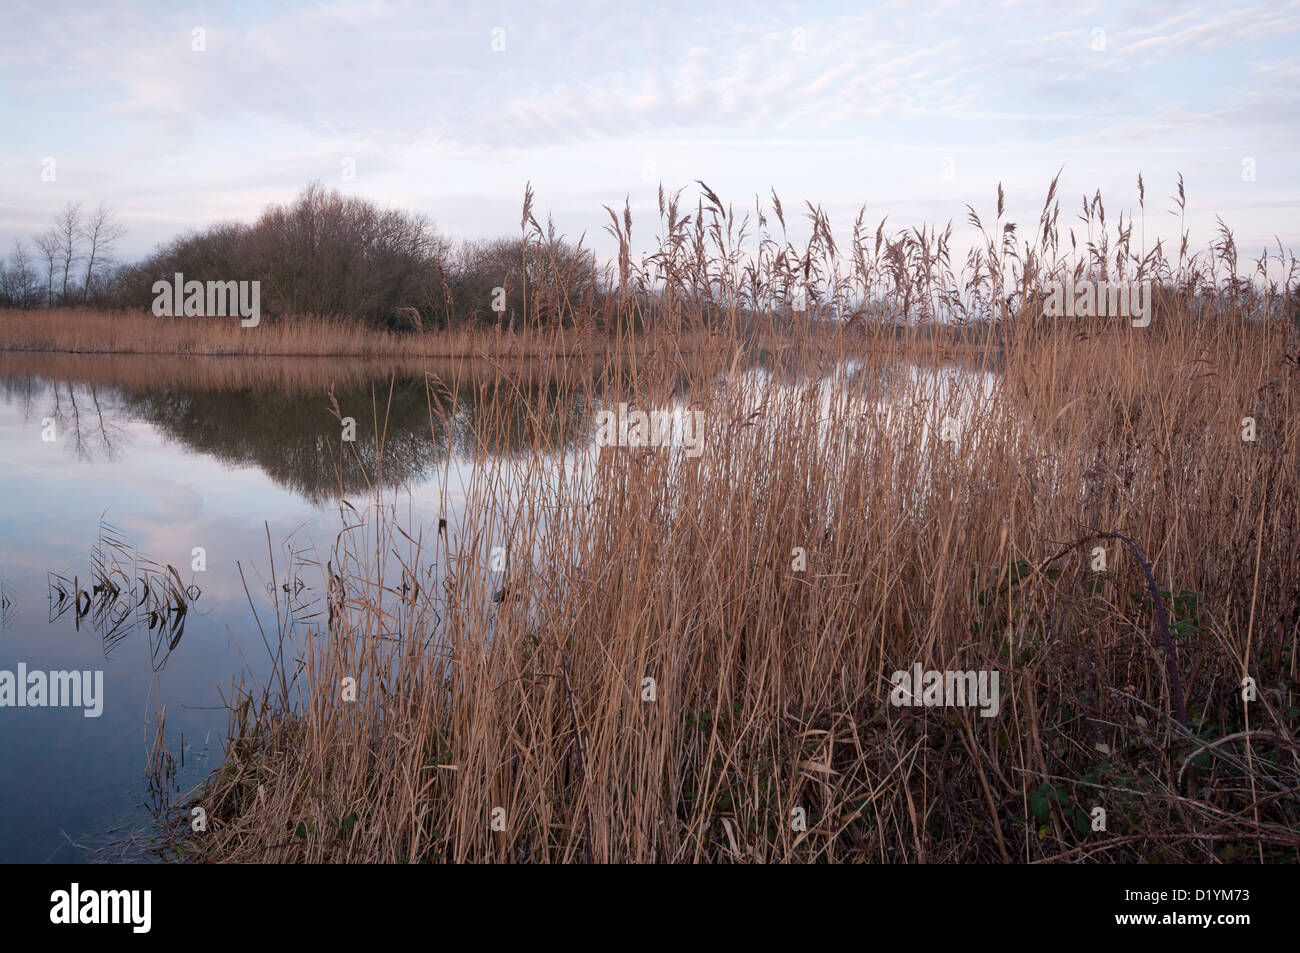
(1040, 805)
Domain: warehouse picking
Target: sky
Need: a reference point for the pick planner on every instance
(180, 115)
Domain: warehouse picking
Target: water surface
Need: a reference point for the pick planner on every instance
(115, 469)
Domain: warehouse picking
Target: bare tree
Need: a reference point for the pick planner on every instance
(67, 227)
(22, 280)
(8, 287)
(101, 230)
(47, 244)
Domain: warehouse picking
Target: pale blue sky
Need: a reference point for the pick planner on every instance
(915, 108)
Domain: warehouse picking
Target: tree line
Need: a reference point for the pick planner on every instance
(324, 254)
(71, 263)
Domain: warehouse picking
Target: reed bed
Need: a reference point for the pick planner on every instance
(688, 659)
(89, 331)
(287, 375)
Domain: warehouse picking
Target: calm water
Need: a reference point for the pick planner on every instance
(241, 459)
(138, 474)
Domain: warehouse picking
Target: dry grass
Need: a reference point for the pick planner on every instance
(87, 331)
(524, 690)
(141, 372)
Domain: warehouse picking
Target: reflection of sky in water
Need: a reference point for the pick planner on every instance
(904, 396)
(70, 778)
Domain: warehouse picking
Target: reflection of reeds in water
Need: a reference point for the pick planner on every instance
(8, 606)
(161, 766)
(127, 592)
(140, 372)
(267, 412)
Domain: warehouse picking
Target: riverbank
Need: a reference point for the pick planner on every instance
(88, 331)
(694, 659)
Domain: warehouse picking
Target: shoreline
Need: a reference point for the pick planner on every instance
(93, 332)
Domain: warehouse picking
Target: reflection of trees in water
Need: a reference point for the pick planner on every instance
(516, 414)
(291, 434)
(295, 438)
(296, 441)
(81, 417)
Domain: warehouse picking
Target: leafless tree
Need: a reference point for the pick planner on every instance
(47, 245)
(21, 281)
(327, 253)
(67, 227)
(101, 230)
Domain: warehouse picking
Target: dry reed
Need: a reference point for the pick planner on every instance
(505, 714)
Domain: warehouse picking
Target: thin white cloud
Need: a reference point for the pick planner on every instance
(842, 102)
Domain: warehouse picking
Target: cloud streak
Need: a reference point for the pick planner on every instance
(438, 102)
